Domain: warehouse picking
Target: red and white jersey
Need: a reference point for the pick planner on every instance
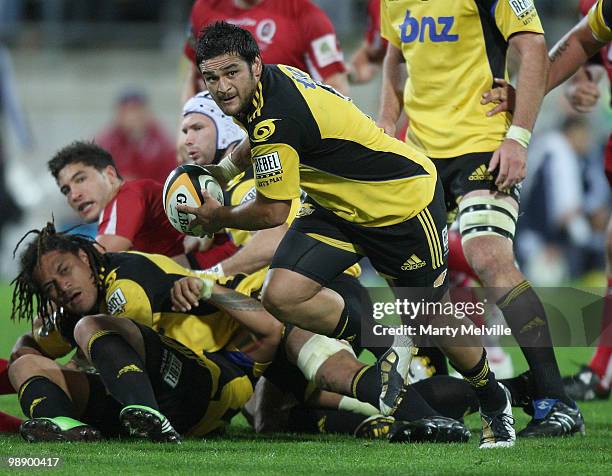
(137, 213)
(292, 32)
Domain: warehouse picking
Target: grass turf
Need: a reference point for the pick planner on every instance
(240, 451)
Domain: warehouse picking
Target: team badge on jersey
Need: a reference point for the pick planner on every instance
(116, 302)
(264, 130)
(266, 29)
(521, 8)
(326, 50)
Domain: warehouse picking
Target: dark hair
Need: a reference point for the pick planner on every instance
(224, 38)
(87, 153)
(29, 300)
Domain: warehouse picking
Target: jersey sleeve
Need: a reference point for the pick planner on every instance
(386, 27)
(126, 298)
(513, 16)
(192, 31)
(124, 216)
(321, 44)
(275, 150)
(600, 20)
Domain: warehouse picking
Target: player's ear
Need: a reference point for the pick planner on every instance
(257, 67)
(83, 256)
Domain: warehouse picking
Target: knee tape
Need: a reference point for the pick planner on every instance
(316, 351)
(485, 215)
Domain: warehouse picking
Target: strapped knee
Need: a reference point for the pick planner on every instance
(483, 215)
(316, 351)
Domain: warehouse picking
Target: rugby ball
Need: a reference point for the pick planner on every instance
(183, 186)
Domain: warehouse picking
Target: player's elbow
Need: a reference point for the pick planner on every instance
(274, 215)
(527, 43)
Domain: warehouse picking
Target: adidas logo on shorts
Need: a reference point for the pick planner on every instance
(412, 263)
(481, 173)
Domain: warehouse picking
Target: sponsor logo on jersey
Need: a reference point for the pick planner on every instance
(301, 77)
(445, 239)
(116, 302)
(326, 50)
(171, 368)
(250, 195)
(481, 173)
(521, 8)
(264, 130)
(412, 263)
(130, 368)
(437, 30)
(268, 165)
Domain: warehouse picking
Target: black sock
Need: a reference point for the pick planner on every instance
(40, 397)
(348, 327)
(490, 395)
(309, 420)
(121, 369)
(526, 317)
(366, 387)
(452, 397)
(436, 359)
(521, 389)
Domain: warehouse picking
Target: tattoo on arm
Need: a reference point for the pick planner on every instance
(559, 51)
(235, 301)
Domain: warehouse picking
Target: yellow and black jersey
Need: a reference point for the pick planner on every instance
(453, 50)
(137, 286)
(305, 136)
(241, 190)
(600, 20)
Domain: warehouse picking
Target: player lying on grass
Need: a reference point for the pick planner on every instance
(137, 365)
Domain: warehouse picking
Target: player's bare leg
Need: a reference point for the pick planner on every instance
(492, 258)
(296, 299)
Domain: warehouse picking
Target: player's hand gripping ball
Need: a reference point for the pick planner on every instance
(183, 187)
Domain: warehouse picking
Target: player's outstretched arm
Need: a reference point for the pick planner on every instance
(391, 100)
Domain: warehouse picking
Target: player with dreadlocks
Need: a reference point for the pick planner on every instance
(155, 383)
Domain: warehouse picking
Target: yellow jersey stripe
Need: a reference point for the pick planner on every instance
(343, 245)
(429, 240)
(434, 231)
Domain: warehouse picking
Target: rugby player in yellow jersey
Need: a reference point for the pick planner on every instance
(201, 116)
(369, 195)
(453, 50)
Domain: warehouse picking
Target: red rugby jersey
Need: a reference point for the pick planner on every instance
(292, 32)
(137, 213)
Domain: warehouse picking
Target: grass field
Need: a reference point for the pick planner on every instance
(241, 452)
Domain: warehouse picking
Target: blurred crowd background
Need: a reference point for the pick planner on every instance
(113, 70)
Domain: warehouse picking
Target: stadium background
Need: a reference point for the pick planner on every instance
(69, 60)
